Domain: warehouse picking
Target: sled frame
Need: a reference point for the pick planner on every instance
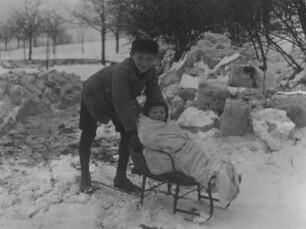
(177, 179)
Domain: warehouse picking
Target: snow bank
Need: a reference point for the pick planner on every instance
(23, 94)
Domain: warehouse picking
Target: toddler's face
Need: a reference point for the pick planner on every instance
(157, 113)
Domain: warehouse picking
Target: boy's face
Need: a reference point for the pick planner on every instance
(143, 61)
(157, 113)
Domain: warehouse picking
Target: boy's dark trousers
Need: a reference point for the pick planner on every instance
(88, 125)
(88, 136)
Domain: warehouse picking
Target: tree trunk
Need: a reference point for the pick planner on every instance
(255, 49)
(35, 41)
(24, 49)
(103, 33)
(18, 43)
(117, 41)
(6, 44)
(47, 53)
(82, 42)
(30, 47)
(54, 48)
(181, 45)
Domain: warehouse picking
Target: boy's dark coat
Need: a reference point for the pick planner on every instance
(112, 92)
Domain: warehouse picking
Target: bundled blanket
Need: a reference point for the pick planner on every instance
(160, 138)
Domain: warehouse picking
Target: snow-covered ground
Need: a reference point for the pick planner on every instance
(272, 194)
(39, 194)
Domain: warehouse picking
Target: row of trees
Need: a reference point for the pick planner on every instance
(29, 22)
(34, 20)
(263, 23)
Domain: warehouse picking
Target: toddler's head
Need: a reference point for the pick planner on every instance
(156, 111)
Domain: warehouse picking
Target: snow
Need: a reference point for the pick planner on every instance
(291, 93)
(269, 196)
(189, 81)
(193, 117)
(225, 60)
(46, 195)
(83, 70)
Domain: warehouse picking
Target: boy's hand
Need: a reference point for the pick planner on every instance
(136, 107)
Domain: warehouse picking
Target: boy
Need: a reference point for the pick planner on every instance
(110, 94)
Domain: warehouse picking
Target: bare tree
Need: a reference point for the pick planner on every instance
(116, 9)
(6, 33)
(28, 21)
(53, 28)
(93, 14)
(19, 25)
(288, 24)
(179, 22)
(80, 36)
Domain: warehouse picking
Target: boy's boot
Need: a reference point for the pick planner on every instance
(122, 182)
(84, 151)
(85, 183)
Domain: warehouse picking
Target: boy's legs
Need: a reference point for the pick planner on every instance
(88, 125)
(121, 181)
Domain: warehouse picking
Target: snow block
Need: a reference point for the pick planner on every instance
(189, 81)
(234, 121)
(244, 76)
(188, 87)
(272, 126)
(294, 103)
(169, 78)
(217, 38)
(177, 106)
(16, 94)
(171, 91)
(195, 118)
(187, 93)
(212, 96)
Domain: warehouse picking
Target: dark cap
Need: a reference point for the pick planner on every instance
(145, 46)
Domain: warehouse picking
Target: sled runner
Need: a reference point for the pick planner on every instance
(99, 184)
(174, 178)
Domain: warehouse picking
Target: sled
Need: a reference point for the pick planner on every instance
(173, 178)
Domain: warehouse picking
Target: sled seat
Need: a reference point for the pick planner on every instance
(173, 178)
